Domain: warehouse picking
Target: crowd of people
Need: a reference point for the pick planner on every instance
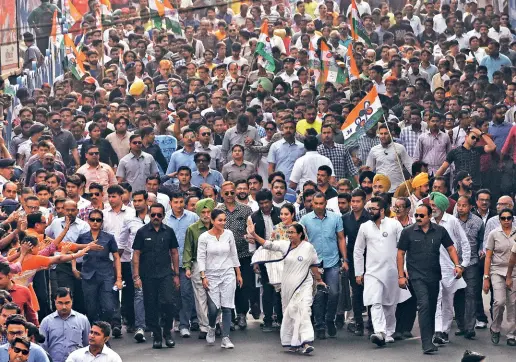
(188, 181)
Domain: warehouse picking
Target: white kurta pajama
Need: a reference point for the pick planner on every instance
(296, 291)
(381, 289)
(218, 258)
(449, 284)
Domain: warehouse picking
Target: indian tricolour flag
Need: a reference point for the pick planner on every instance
(164, 16)
(56, 34)
(364, 116)
(264, 47)
(351, 64)
(358, 32)
(330, 70)
(74, 57)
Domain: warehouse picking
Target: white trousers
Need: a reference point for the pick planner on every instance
(384, 318)
(201, 299)
(444, 310)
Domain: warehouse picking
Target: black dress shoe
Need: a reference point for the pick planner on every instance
(438, 338)
(359, 331)
(495, 337)
(202, 335)
(321, 334)
(169, 341)
(407, 335)
(511, 342)
(194, 327)
(459, 332)
(332, 331)
(469, 334)
(339, 321)
(117, 332)
(430, 349)
(397, 336)
(156, 344)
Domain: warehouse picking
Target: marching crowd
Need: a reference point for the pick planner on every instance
(197, 175)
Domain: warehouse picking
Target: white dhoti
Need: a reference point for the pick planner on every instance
(444, 310)
(296, 327)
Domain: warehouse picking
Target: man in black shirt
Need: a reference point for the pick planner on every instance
(156, 266)
(152, 148)
(423, 241)
(351, 223)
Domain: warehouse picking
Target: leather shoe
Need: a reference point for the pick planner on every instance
(202, 335)
(511, 342)
(156, 344)
(459, 332)
(320, 334)
(169, 342)
(430, 350)
(495, 337)
(397, 336)
(469, 334)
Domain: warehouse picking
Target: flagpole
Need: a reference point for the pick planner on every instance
(253, 62)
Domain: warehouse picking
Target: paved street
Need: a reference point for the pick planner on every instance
(253, 345)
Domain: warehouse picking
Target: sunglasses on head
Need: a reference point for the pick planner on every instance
(506, 218)
(95, 219)
(25, 352)
(157, 214)
(419, 216)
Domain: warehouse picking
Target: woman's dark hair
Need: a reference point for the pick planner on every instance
(506, 210)
(291, 209)
(215, 213)
(30, 239)
(96, 211)
(300, 230)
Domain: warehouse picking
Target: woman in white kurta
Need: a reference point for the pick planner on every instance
(220, 272)
(299, 259)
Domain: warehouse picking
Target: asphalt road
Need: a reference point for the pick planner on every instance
(254, 345)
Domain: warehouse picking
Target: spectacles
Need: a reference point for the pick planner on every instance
(33, 207)
(189, 136)
(506, 218)
(419, 216)
(136, 142)
(94, 219)
(204, 134)
(93, 153)
(269, 129)
(229, 193)
(120, 85)
(95, 193)
(373, 209)
(157, 214)
(25, 352)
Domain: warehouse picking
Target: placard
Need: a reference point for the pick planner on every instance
(9, 50)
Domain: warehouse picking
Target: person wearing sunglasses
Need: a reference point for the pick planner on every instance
(155, 250)
(421, 243)
(467, 157)
(205, 174)
(25, 351)
(100, 275)
(500, 246)
(205, 144)
(63, 139)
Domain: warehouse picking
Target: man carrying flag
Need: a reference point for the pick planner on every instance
(264, 48)
(364, 116)
(358, 31)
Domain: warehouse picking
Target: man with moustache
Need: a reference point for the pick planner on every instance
(242, 195)
(376, 247)
(464, 185)
(421, 187)
(366, 183)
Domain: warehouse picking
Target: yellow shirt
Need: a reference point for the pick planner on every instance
(310, 8)
(302, 126)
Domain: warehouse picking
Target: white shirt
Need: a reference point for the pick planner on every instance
(493, 34)
(384, 160)
(415, 23)
(113, 221)
(251, 203)
(164, 200)
(130, 226)
(288, 78)
(463, 41)
(240, 61)
(362, 7)
(305, 168)
(439, 23)
(84, 355)
(83, 203)
(458, 137)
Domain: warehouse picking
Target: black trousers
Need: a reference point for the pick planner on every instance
(244, 295)
(127, 308)
(406, 313)
(426, 293)
(160, 299)
(357, 297)
(64, 278)
(40, 285)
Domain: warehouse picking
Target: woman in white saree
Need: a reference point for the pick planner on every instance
(299, 258)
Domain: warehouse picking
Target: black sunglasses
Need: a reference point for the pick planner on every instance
(419, 216)
(137, 142)
(228, 193)
(474, 138)
(269, 129)
(55, 120)
(93, 153)
(157, 214)
(25, 352)
(95, 194)
(204, 134)
(96, 219)
(506, 218)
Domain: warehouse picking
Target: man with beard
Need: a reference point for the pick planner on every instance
(279, 190)
(255, 183)
(381, 184)
(237, 135)
(450, 281)
(433, 146)
(463, 185)
(376, 246)
(242, 195)
(263, 88)
(366, 183)
(421, 187)
(205, 175)
(351, 223)
(264, 221)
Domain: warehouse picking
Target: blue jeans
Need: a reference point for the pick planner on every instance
(100, 299)
(325, 304)
(187, 312)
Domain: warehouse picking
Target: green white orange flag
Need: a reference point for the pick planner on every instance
(164, 16)
(264, 48)
(330, 70)
(56, 34)
(74, 58)
(351, 64)
(358, 32)
(364, 116)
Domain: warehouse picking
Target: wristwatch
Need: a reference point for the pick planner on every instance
(486, 276)
(203, 277)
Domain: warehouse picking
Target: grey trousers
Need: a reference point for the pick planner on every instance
(503, 298)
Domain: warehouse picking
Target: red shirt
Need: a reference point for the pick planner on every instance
(22, 297)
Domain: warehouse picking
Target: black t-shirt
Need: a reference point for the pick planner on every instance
(423, 250)
(155, 246)
(399, 31)
(467, 160)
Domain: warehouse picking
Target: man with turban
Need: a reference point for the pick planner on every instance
(203, 208)
(420, 185)
(381, 184)
(366, 183)
(449, 283)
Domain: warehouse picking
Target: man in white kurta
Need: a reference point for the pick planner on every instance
(377, 241)
(449, 284)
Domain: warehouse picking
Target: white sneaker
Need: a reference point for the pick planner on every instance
(210, 337)
(185, 333)
(389, 339)
(226, 343)
(480, 325)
